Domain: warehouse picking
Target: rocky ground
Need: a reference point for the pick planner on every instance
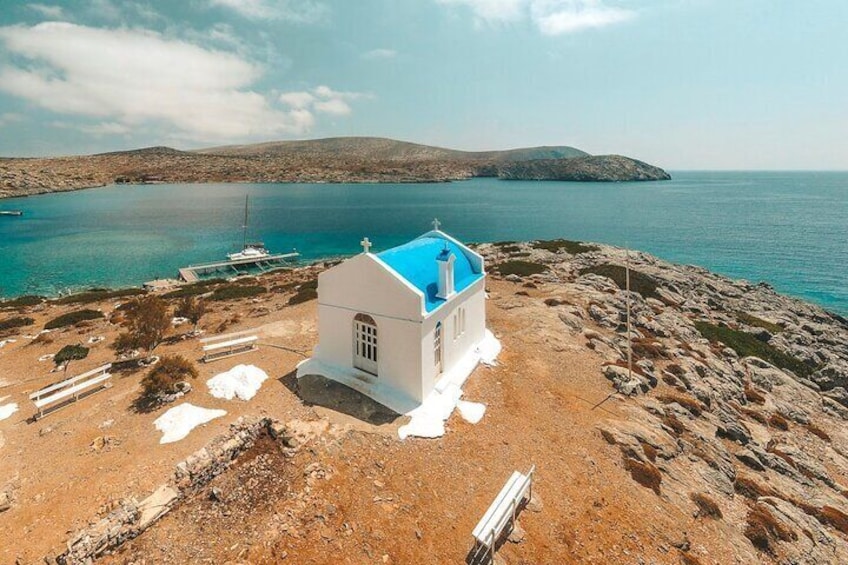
(331, 160)
(703, 454)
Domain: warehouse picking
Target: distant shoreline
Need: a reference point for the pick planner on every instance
(839, 316)
(333, 160)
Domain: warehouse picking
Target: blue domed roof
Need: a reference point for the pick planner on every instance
(416, 262)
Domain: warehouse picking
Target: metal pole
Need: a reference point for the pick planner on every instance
(629, 342)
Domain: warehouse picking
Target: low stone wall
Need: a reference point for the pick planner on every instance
(131, 517)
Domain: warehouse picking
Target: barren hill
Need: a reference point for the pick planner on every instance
(383, 149)
(337, 160)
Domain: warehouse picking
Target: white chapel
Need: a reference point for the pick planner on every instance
(399, 324)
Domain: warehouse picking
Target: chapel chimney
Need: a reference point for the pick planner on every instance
(445, 260)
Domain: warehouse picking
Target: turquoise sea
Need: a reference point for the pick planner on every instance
(787, 228)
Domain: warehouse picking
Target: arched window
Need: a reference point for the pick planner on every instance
(437, 348)
(365, 343)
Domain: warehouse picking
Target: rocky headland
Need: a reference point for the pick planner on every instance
(598, 168)
(736, 401)
(333, 160)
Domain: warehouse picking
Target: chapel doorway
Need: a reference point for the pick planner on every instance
(365, 343)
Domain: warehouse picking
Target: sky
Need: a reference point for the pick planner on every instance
(683, 84)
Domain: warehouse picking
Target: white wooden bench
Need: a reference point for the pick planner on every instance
(221, 346)
(57, 395)
(502, 511)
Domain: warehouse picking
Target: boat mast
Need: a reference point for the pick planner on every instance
(244, 227)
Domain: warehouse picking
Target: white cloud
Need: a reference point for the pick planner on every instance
(335, 106)
(297, 99)
(296, 11)
(322, 99)
(129, 78)
(107, 128)
(54, 12)
(115, 11)
(551, 17)
(380, 54)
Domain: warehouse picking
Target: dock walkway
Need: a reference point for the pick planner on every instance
(192, 273)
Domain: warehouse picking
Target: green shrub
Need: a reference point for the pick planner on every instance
(22, 301)
(510, 249)
(305, 292)
(639, 282)
(70, 353)
(164, 379)
(97, 294)
(72, 318)
(747, 345)
(570, 247)
(13, 323)
(236, 291)
(193, 289)
(520, 268)
(750, 320)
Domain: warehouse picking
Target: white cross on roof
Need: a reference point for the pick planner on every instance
(436, 223)
(366, 244)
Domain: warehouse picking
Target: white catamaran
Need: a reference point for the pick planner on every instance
(254, 250)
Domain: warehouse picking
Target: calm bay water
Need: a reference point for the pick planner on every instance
(790, 229)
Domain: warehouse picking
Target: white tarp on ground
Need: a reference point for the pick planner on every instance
(7, 410)
(242, 381)
(489, 349)
(471, 412)
(428, 420)
(177, 423)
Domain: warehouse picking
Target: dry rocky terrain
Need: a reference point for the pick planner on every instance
(331, 160)
(725, 444)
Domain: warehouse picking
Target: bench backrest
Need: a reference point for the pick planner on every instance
(69, 382)
(232, 343)
(503, 508)
(224, 337)
(71, 391)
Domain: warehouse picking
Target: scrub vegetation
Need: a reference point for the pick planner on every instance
(98, 294)
(750, 320)
(570, 247)
(520, 268)
(639, 282)
(22, 301)
(747, 345)
(237, 291)
(12, 323)
(164, 379)
(72, 318)
(305, 292)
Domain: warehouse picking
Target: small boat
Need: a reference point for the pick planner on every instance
(11, 213)
(249, 251)
(255, 250)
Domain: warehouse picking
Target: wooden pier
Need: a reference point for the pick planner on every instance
(192, 273)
